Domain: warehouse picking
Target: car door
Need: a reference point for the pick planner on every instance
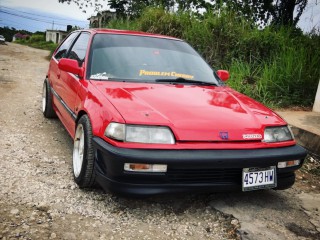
(54, 73)
(70, 83)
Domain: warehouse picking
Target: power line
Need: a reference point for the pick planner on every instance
(31, 18)
(19, 26)
(7, 20)
(12, 9)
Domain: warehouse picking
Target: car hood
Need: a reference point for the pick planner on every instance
(194, 113)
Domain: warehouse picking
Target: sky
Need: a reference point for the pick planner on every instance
(311, 16)
(40, 15)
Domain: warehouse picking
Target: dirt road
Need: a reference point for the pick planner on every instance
(39, 200)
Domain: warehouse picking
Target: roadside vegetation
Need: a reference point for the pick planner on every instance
(39, 41)
(9, 32)
(278, 66)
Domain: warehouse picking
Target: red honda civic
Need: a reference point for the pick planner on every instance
(148, 116)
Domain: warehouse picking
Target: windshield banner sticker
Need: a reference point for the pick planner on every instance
(165, 74)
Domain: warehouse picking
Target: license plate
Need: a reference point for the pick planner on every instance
(259, 178)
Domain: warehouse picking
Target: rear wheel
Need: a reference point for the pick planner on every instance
(83, 154)
(47, 105)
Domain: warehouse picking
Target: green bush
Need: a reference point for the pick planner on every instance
(123, 24)
(37, 38)
(38, 41)
(286, 75)
(21, 41)
(156, 20)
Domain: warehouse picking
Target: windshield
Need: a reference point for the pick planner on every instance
(147, 59)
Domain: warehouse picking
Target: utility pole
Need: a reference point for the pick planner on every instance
(52, 25)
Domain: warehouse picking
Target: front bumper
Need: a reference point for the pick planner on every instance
(188, 170)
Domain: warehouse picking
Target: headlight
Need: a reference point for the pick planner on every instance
(277, 134)
(146, 134)
(139, 133)
(115, 131)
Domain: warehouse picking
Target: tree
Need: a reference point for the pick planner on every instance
(119, 7)
(135, 7)
(262, 12)
(283, 13)
(83, 4)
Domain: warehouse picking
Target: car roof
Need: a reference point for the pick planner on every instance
(127, 32)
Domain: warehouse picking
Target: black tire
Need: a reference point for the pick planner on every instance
(83, 173)
(47, 105)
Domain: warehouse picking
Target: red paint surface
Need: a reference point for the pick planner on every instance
(195, 114)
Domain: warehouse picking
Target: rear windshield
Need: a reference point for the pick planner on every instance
(138, 58)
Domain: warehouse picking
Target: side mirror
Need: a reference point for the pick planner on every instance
(223, 75)
(70, 65)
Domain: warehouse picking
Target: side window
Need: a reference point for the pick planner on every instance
(63, 49)
(79, 49)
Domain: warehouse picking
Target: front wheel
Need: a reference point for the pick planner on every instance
(83, 154)
(47, 104)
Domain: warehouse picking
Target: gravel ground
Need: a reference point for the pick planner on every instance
(39, 200)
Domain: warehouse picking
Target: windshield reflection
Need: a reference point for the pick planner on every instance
(139, 58)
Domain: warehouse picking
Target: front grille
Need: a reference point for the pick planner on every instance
(223, 175)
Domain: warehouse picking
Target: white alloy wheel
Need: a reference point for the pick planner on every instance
(83, 154)
(78, 150)
(44, 97)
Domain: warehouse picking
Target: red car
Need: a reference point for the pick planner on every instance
(148, 116)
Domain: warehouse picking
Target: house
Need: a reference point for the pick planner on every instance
(18, 36)
(55, 36)
(101, 19)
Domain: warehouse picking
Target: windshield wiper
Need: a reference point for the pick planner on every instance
(183, 80)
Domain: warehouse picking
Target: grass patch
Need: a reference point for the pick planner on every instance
(39, 41)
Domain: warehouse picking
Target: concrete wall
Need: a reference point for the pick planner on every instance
(316, 105)
(50, 36)
(55, 36)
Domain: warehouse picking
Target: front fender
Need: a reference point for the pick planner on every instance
(100, 111)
